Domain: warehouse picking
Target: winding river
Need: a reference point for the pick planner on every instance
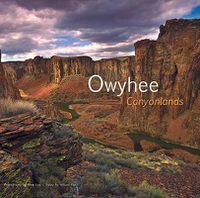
(137, 137)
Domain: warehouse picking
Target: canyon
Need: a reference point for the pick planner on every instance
(78, 136)
(173, 60)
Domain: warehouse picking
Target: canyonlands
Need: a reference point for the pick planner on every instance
(55, 130)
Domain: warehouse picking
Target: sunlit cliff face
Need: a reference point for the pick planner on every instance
(96, 28)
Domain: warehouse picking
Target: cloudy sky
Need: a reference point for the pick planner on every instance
(97, 28)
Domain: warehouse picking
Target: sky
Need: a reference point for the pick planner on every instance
(95, 28)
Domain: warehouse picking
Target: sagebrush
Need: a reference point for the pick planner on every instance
(9, 107)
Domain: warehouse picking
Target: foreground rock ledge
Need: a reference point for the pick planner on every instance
(29, 140)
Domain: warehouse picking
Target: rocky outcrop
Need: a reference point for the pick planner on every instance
(36, 137)
(57, 68)
(7, 88)
(110, 69)
(173, 60)
(60, 67)
(115, 68)
(14, 69)
(32, 67)
(37, 66)
(31, 145)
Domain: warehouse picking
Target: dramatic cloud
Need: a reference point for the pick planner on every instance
(21, 45)
(100, 28)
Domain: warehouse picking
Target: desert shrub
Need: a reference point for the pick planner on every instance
(113, 176)
(110, 158)
(49, 175)
(114, 179)
(99, 168)
(102, 114)
(147, 190)
(9, 107)
(129, 163)
(101, 159)
(31, 144)
(116, 158)
(93, 184)
(105, 160)
(14, 176)
(45, 192)
(118, 187)
(40, 171)
(111, 183)
(44, 169)
(102, 184)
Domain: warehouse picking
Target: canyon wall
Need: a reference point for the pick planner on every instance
(15, 69)
(57, 68)
(173, 60)
(32, 67)
(115, 68)
(7, 88)
(37, 66)
(110, 69)
(60, 67)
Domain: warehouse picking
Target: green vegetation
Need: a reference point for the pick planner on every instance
(47, 172)
(66, 107)
(104, 177)
(31, 144)
(88, 140)
(116, 158)
(147, 190)
(9, 107)
(102, 115)
(48, 169)
(17, 177)
(65, 120)
(111, 184)
(93, 184)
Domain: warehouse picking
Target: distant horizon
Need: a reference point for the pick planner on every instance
(99, 29)
(62, 56)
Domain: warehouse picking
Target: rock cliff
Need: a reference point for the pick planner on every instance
(7, 88)
(14, 69)
(37, 66)
(32, 67)
(34, 150)
(60, 67)
(109, 69)
(57, 68)
(173, 60)
(115, 68)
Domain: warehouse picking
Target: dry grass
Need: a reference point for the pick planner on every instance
(111, 185)
(9, 107)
